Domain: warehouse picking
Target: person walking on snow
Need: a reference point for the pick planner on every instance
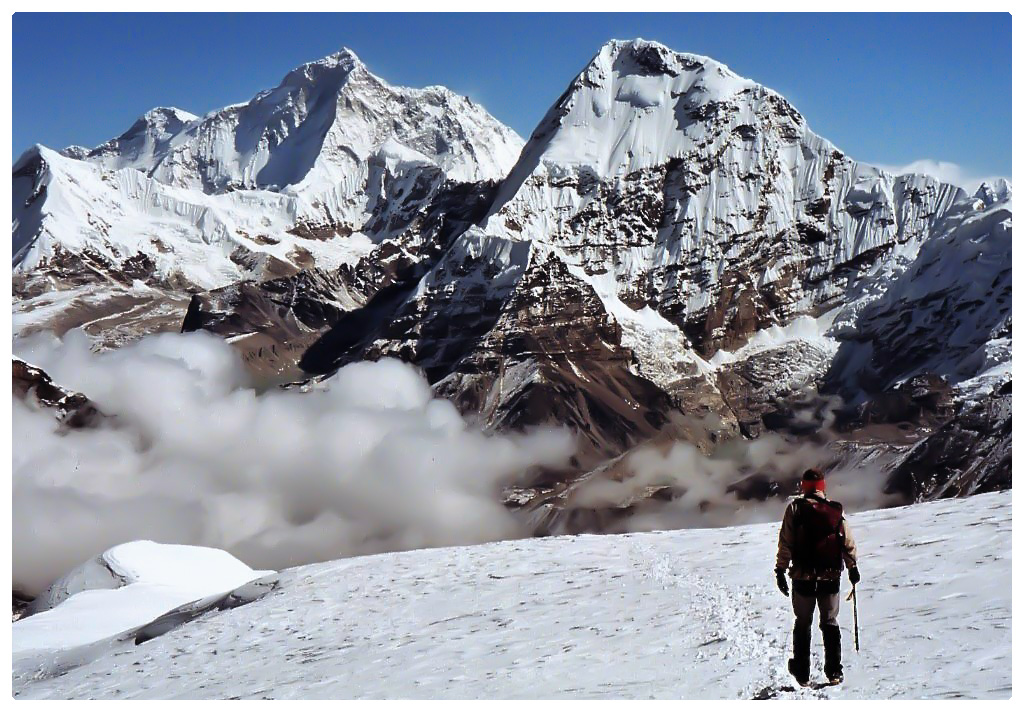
(815, 539)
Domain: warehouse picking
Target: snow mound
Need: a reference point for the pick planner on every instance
(127, 586)
(648, 615)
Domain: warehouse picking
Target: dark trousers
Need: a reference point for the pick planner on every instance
(806, 595)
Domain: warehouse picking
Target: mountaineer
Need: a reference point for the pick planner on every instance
(815, 539)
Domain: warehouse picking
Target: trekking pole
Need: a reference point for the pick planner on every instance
(856, 619)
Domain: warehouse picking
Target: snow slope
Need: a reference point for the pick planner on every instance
(949, 312)
(674, 614)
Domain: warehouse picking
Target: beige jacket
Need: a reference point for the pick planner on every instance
(787, 541)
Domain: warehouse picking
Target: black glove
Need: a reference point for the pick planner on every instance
(854, 575)
(783, 584)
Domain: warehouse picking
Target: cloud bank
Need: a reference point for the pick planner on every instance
(370, 462)
(720, 489)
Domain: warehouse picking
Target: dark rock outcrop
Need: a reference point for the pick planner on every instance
(34, 386)
(969, 454)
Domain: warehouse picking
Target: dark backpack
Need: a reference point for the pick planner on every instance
(819, 538)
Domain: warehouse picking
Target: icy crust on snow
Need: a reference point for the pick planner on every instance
(627, 616)
(127, 586)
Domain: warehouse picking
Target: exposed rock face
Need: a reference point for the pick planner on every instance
(924, 400)
(276, 322)
(969, 454)
(767, 385)
(272, 322)
(557, 360)
(34, 386)
(19, 605)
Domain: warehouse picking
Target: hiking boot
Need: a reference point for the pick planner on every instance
(802, 677)
(832, 653)
(799, 664)
(835, 679)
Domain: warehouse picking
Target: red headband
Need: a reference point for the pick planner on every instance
(811, 486)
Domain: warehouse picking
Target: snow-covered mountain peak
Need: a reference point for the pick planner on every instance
(168, 120)
(324, 121)
(684, 188)
(638, 104)
(75, 151)
(645, 57)
(168, 114)
(145, 141)
(334, 69)
(995, 191)
(344, 57)
(257, 189)
(314, 132)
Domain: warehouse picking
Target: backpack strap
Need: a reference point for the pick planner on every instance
(799, 545)
(839, 532)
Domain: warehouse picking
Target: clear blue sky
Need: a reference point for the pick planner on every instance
(886, 89)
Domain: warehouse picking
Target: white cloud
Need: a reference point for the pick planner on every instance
(369, 463)
(945, 171)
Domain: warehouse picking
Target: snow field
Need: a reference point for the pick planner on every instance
(674, 614)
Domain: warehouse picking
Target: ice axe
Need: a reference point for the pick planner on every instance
(856, 618)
